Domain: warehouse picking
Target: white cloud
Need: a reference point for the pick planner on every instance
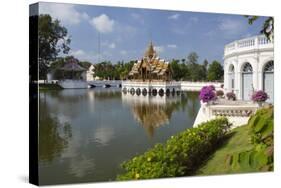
(108, 44)
(193, 19)
(112, 45)
(231, 27)
(174, 17)
(102, 23)
(138, 17)
(172, 46)
(86, 56)
(85, 16)
(77, 53)
(123, 52)
(66, 13)
(159, 49)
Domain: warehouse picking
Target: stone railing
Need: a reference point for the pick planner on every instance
(237, 112)
(252, 43)
(196, 86)
(233, 112)
(154, 83)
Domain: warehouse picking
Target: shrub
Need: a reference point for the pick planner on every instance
(181, 155)
(231, 96)
(207, 93)
(219, 93)
(259, 96)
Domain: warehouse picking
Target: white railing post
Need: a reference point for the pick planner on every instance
(257, 42)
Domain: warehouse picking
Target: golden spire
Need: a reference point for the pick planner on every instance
(150, 52)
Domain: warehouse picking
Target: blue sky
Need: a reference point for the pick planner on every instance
(125, 32)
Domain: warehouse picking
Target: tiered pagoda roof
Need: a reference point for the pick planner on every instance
(72, 65)
(151, 67)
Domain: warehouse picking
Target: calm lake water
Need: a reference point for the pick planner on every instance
(85, 134)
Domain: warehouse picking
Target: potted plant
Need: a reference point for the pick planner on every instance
(208, 94)
(219, 93)
(231, 96)
(259, 97)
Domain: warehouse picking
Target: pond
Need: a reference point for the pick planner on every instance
(85, 134)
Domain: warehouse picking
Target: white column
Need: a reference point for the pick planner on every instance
(238, 86)
(255, 65)
(226, 77)
(260, 77)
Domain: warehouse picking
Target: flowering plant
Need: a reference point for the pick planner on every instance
(212, 87)
(207, 93)
(231, 96)
(220, 93)
(259, 96)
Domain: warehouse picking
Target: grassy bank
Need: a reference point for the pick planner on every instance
(49, 87)
(248, 149)
(238, 141)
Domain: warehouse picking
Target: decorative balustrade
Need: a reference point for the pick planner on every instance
(252, 43)
(232, 112)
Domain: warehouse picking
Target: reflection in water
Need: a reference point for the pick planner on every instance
(85, 134)
(79, 167)
(53, 135)
(153, 111)
(103, 135)
(192, 103)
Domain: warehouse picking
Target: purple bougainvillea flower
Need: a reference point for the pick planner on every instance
(259, 96)
(207, 93)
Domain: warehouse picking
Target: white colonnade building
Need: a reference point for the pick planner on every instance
(249, 66)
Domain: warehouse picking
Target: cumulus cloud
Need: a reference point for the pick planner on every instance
(193, 19)
(231, 27)
(138, 17)
(112, 45)
(123, 52)
(159, 49)
(102, 23)
(77, 53)
(82, 55)
(66, 13)
(172, 46)
(174, 17)
(107, 44)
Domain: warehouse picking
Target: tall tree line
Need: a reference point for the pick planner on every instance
(190, 70)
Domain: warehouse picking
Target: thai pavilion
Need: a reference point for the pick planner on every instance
(73, 75)
(150, 75)
(150, 67)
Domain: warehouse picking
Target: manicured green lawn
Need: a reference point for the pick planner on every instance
(218, 163)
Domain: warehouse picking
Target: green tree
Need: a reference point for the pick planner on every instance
(53, 39)
(206, 63)
(192, 58)
(176, 69)
(267, 27)
(197, 72)
(215, 71)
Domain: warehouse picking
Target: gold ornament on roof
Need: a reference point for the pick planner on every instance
(150, 67)
(150, 52)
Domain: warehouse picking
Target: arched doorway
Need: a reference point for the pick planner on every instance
(268, 80)
(247, 81)
(231, 78)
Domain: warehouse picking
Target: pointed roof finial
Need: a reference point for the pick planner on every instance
(150, 52)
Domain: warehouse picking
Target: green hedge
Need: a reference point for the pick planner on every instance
(181, 155)
(49, 87)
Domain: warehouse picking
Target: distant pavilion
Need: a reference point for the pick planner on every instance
(151, 67)
(150, 75)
